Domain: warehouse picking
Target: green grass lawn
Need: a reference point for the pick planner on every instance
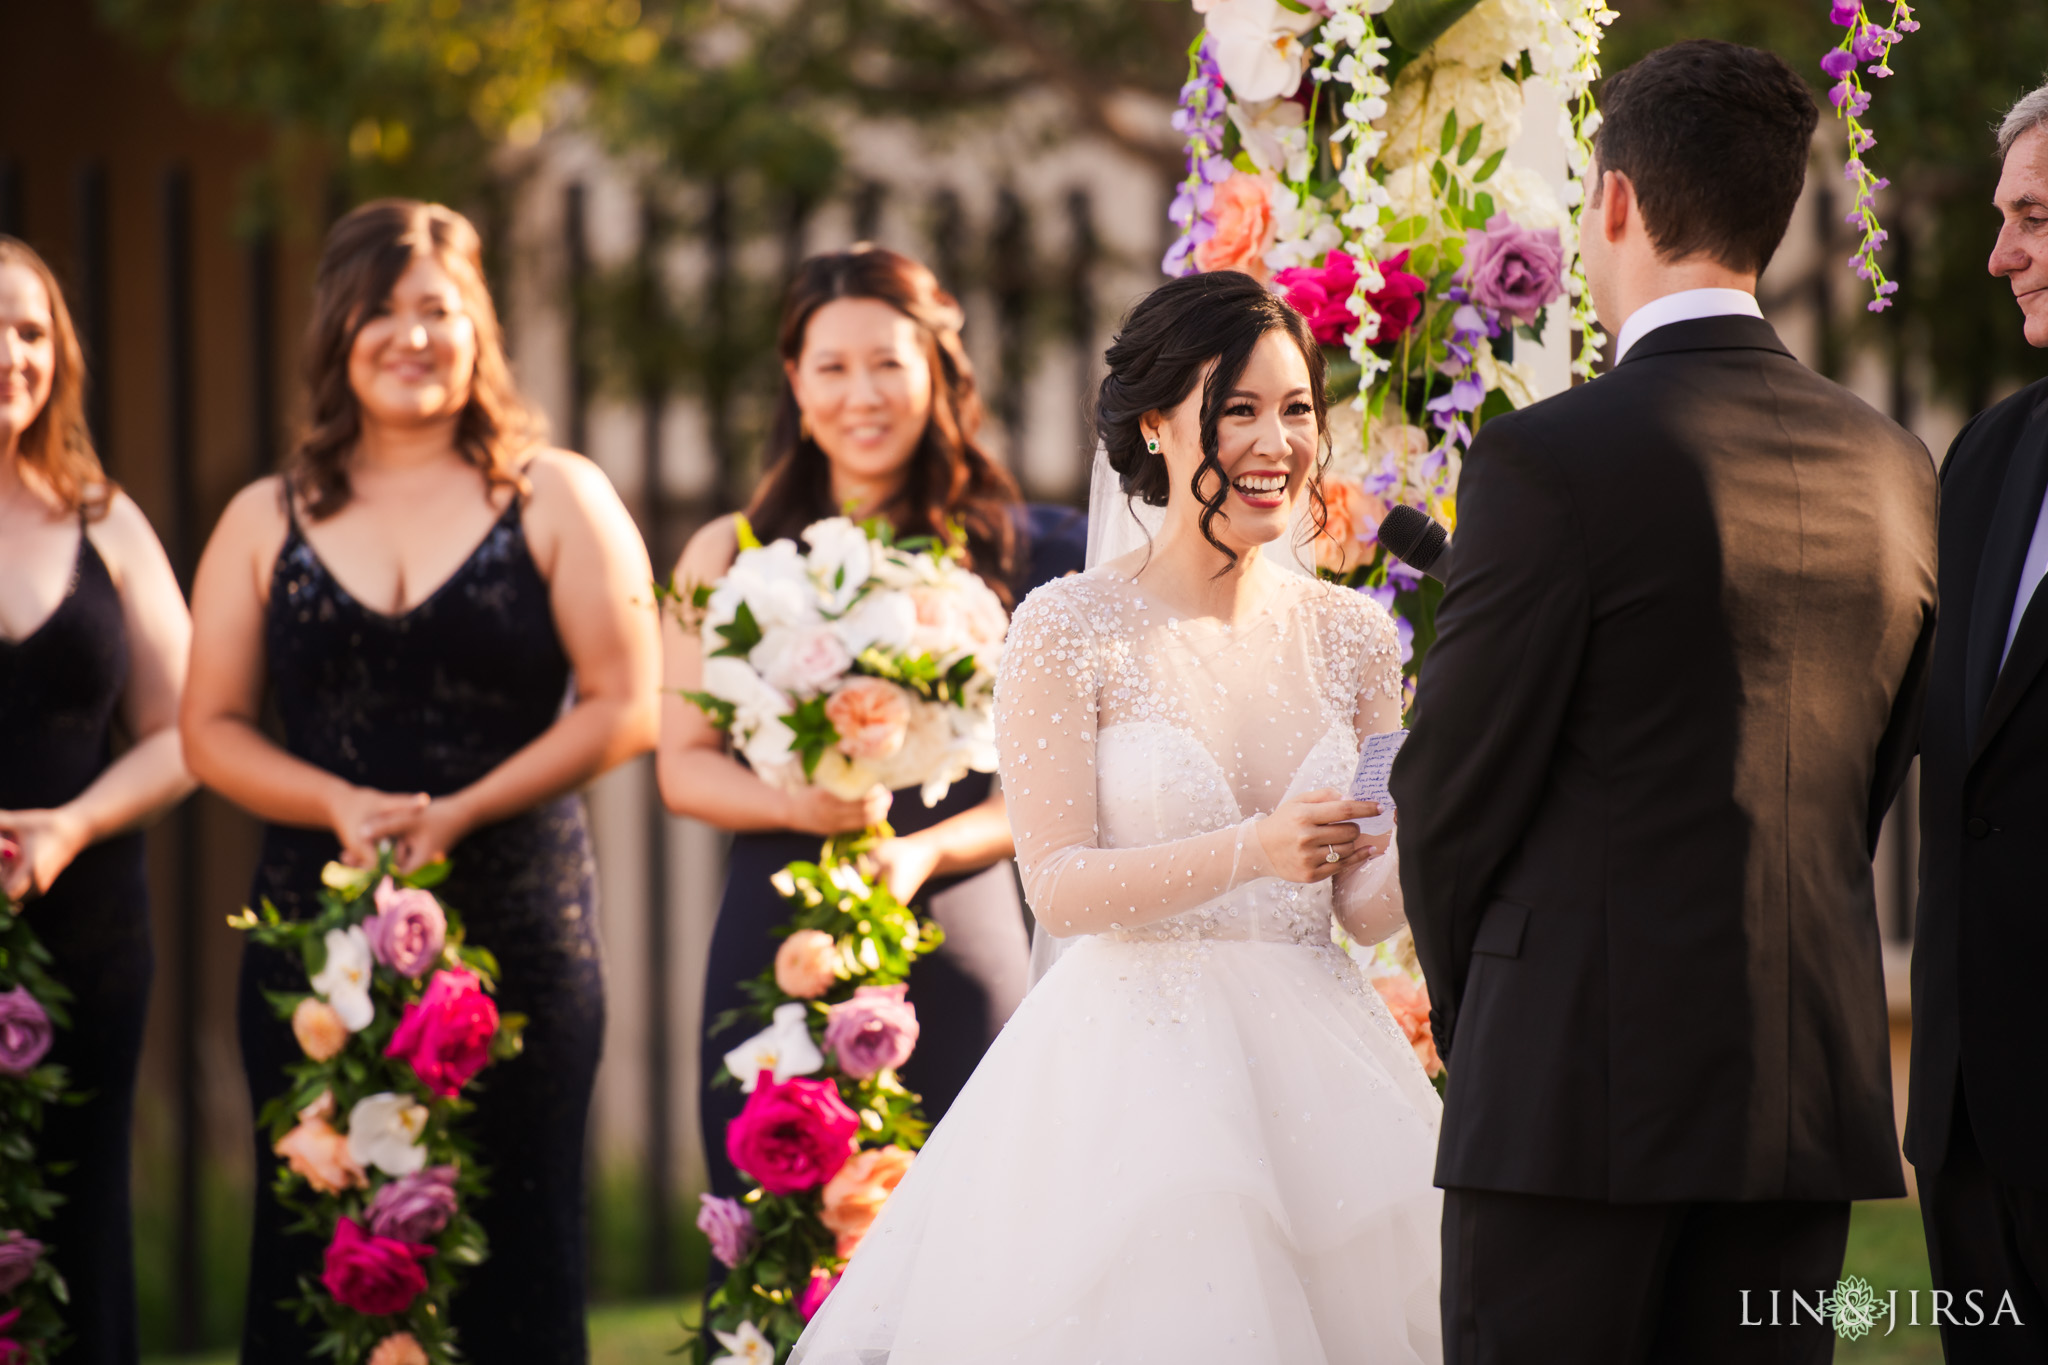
(1885, 1248)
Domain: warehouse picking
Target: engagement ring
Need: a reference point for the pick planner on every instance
(1330, 855)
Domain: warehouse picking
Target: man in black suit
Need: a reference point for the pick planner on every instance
(1674, 690)
(1977, 1126)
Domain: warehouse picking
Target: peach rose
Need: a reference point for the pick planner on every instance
(807, 964)
(314, 1150)
(871, 717)
(1354, 517)
(318, 1028)
(1244, 227)
(854, 1197)
(1408, 1002)
(400, 1348)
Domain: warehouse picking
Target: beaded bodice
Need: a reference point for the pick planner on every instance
(1140, 746)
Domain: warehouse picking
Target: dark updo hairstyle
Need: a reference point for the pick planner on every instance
(951, 481)
(1158, 355)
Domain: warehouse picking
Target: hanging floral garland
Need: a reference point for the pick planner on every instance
(31, 1010)
(1865, 49)
(396, 1019)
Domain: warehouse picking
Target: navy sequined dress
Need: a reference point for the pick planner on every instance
(60, 691)
(431, 700)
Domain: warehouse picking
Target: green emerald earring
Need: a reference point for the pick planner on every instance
(1152, 444)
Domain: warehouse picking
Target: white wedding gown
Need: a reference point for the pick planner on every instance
(1201, 1138)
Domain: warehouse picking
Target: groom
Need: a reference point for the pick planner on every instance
(1674, 690)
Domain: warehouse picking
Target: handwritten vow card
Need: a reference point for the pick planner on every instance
(1369, 783)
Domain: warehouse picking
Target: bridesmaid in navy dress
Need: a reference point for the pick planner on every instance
(93, 637)
(453, 623)
(879, 414)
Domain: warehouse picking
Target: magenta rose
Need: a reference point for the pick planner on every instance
(413, 1208)
(18, 1256)
(377, 1276)
(793, 1136)
(409, 929)
(12, 1352)
(874, 1031)
(729, 1226)
(446, 1037)
(1514, 270)
(1322, 295)
(24, 1032)
(823, 1282)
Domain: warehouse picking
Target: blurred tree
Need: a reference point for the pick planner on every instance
(1970, 60)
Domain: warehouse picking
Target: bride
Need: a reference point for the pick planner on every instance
(1201, 1138)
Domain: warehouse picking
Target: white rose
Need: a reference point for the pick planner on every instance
(769, 747)
(735, 681)
(344, 982)
(1258, 47)
(774, 582)
(1347, 439)
(1526, 197)
(385, 1130)
(801, 661)
(1427, 90)
(886, 620)
(845, 778)
(840, 559)
(1492, 33)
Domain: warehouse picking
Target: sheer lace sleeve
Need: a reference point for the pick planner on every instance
(1046, 715)
(1368, 897)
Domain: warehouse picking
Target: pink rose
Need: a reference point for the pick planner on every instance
(853, 1198)
(1244, 227)
(1515, 270)
(446, 1037)
(1322, 295)
(320, 1031)
(793, 1136)
(12, 1352)
(377, 1276)
(871, 716)
(409, 929)
(400, 1348)
(25, 1033)
(874, 1031)
(807, 964)
(313, 1150)
(19, 1253)
(820, 1288)
(1353, 518)
(1408, 1002)
(413, 1208)
(801, 660)
(728, 1225)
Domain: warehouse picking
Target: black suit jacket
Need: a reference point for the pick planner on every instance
(1981, 944)
(1674, 689)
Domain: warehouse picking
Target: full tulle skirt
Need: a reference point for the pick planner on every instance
(1179, 1152)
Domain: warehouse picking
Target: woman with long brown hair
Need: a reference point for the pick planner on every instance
(453, 624)
(879, 414)
(93, 637)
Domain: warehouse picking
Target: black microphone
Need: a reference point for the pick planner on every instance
(1417, 540)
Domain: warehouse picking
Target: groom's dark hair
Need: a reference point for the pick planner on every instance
(1714, 138)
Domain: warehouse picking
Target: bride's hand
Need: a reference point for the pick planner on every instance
(1299, 837)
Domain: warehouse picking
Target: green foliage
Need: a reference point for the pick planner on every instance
(1955, 77)
(26, 1202)
(359, 1070)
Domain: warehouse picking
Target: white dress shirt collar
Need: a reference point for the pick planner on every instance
(1684, 306)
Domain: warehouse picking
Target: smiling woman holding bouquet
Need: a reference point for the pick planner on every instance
(451, 622)
(878, 417)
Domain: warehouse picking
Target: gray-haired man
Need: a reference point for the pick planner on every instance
(1977, 1131)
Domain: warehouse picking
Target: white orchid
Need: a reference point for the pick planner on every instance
(840, 559)
(1274, 135)
(1258, 47)
(783, 1048)
(745, 1347)
(385, 1130)
(344, 982)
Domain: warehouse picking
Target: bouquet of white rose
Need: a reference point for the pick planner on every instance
(851, 662)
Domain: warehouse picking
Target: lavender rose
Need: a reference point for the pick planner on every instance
(1515, 270)
(24, 1032)
(409, 929)
(413, 1208)
(18, 1257)
(874, 1031)
(729, 1226)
